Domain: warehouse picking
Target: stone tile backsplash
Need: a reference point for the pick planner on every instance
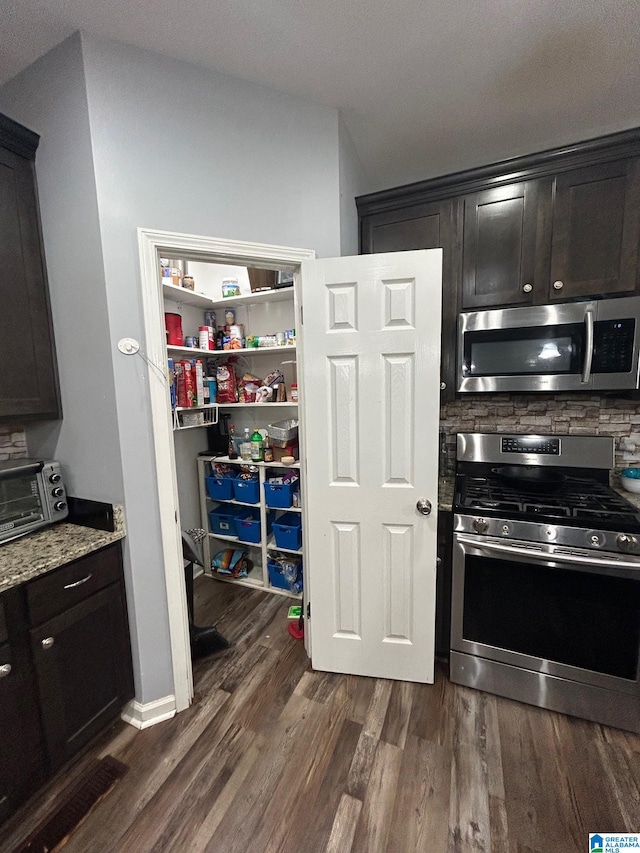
(561, 414)
(13, 442)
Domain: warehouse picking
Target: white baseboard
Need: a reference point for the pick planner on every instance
(142, 716)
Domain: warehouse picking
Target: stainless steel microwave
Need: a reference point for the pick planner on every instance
(577, 346)
(32, 495)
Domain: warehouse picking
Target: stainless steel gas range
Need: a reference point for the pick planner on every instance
(546, 576)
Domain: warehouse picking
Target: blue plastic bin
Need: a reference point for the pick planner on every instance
(219, 488)
(287, 531)
(247, 491)
(222, 520)
(276, 577)
(248, 525)
(278, 495)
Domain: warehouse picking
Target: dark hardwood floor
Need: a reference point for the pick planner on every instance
(274, 757)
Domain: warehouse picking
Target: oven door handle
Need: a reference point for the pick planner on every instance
(548, 556)
(588, 349)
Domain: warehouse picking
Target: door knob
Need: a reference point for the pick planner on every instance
(5, 669)
(424, 506)
(558, 285)
(47, 642)
(527, 287)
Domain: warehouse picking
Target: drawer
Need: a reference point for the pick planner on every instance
(60, 589)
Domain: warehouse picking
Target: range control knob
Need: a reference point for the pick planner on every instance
(480, 525)
(627, 543)
(54, 478)
(58, 492)
(59, 506)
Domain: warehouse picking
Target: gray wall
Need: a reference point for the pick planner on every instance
(50, 98)
(353, 182)
(178, 148)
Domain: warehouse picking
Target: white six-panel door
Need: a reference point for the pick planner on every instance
(371, 378)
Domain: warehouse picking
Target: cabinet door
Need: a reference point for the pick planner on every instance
(499, 251)
(29, 388)
(596, 230)
(21, 751)
(423, 226)
(83, 670)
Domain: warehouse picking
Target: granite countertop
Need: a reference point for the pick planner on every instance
(38, 553)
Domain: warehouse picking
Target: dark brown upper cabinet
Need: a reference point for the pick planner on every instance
(596, 231)
(423, 226)
(499, 246)
(29, 380)
(554, 226)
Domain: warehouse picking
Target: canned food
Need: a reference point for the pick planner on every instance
(188, 282)
(290, 336)
(190, 341)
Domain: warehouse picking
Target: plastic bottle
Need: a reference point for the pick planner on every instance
(257, 448)
(246, 446)
(294, 392)
(233, 453)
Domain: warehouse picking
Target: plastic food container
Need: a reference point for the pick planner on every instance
(630, 480)
(230, 287)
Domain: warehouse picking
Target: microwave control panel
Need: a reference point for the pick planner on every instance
(613, 342)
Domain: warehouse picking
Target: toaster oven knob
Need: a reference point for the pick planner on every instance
(58, 492)
(59, 506)
(627, 543)
(480, 525)
(54, 478)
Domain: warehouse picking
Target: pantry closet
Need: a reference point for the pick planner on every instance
(366, 360)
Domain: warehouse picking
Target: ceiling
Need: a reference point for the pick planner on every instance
(425, 87)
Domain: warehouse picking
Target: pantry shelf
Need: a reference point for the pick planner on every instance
(224, 353)
(201, 300)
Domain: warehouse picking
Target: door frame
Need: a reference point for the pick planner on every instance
(152, 245)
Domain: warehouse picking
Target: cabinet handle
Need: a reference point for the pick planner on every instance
(527, 288)
(558, 285)
(47, 642)
(77, 583)
(443, 386)
(5, 669)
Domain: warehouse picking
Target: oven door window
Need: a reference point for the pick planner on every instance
(20, 502)
(570, 617)
(547, 350)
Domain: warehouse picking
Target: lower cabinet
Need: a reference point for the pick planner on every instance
(70, 668)
(22, 758)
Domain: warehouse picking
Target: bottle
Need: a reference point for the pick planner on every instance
(268, 450)
(245, 445)
(233, 453)
(257, 449)
(294, 392)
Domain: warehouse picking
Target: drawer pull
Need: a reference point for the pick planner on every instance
(5, 669)
(47, 642)
(77, 583)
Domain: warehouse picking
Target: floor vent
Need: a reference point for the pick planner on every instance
(53, 832)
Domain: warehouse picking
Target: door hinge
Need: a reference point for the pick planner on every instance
(308, 610)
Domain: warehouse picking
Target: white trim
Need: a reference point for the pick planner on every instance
(153, 245)
(142, 716)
